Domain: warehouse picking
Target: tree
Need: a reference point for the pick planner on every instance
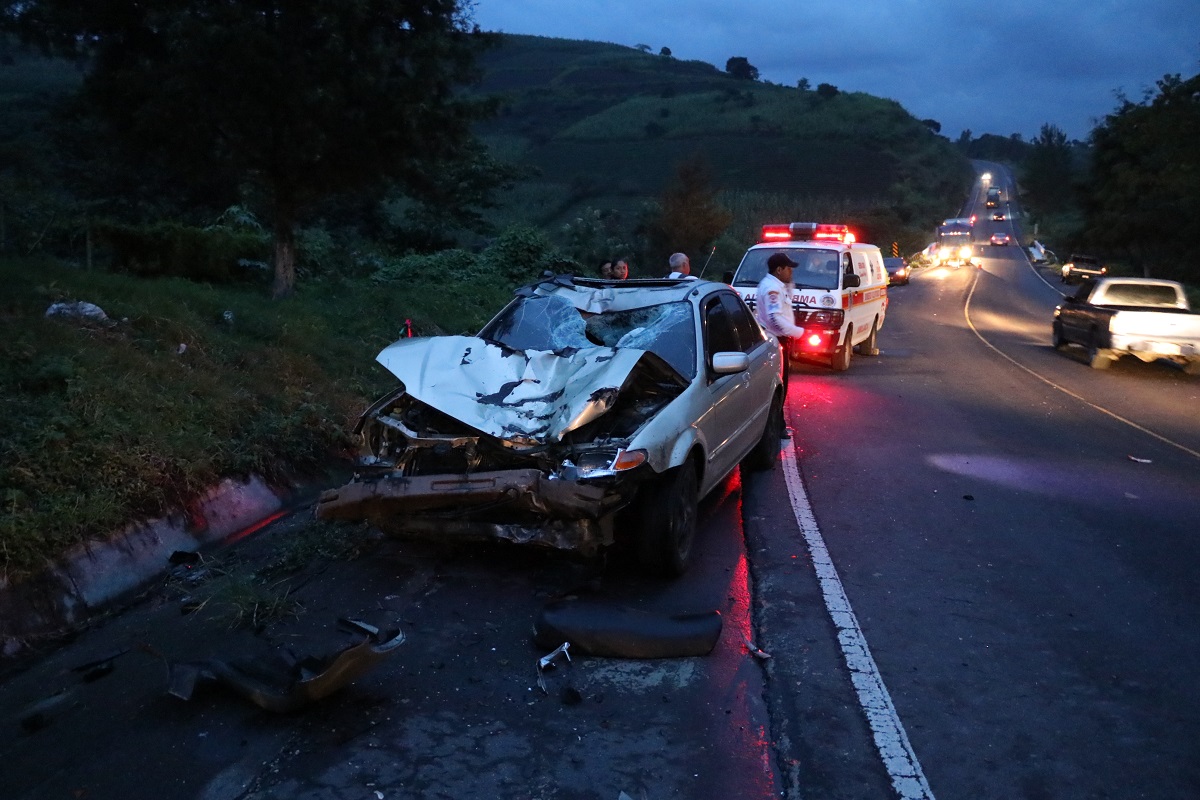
(803, 84)
(936, 126)
(1047, 173)
(688, 218)
(740, 68)
(666, 51)
(645, 48)
(1145, 181)
(827, 91)
(297, 99)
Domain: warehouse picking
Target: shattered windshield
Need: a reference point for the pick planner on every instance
(553, 323)
(815, 269)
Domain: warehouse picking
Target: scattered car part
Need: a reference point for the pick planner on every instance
(603, 628)
(280, 683)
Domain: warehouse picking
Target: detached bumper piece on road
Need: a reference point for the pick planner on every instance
(281, 684)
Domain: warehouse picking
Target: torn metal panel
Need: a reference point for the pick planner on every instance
(584, 537)
(526, 396)
(518, 490)
(280, 686)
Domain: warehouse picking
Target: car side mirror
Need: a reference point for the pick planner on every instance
(1069, 298)
(851, 281)
(727, 363)
(727, 277)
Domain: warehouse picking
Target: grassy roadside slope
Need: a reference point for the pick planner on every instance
(102, 423)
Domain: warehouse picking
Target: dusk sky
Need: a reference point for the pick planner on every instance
(999, 68)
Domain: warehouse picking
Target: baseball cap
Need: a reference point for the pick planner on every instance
(778, 260)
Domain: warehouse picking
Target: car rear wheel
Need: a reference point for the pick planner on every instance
(668, 521)
(841, 357)
(1056, 335)
(766, 452)
(1096, 358)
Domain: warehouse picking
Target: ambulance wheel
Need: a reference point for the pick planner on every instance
(870, 345)
(841, 356)
(669, 508)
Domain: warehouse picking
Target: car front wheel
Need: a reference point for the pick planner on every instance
(766, 451)
(668, 521)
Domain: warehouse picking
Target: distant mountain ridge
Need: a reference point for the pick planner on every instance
(614, 121)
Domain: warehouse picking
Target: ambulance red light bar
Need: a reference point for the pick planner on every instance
(806, 232)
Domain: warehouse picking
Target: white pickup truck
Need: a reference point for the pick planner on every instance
(1143, 317)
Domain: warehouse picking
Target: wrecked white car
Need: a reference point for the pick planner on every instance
(585, 407)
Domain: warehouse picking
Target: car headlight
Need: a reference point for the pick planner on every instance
(604, 462)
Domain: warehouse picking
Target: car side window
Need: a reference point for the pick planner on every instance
(748, 333)
(720, 336)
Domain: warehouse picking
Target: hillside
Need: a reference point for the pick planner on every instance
(606, 125)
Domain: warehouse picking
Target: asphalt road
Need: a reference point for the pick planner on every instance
(974, 573)
(1016, 537)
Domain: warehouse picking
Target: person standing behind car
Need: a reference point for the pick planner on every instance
(681, 266)
(773, 307)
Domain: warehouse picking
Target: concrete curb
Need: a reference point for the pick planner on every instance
(100, 573)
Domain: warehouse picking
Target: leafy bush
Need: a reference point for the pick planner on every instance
(173, 249)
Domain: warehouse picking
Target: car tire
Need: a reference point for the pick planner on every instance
(841, 356)
(1056, 335)
(669, 507)
(1097, 359)
(765, 454)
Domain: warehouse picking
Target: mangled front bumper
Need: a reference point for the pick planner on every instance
(520, 505)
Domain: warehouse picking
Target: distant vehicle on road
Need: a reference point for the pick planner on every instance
(1000, 239)
(898, 270)
(999, 216)
(1143, 317)
(1079, 267)
(994, 197)
(955, 245)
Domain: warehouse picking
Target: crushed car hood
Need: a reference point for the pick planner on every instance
(530, 396)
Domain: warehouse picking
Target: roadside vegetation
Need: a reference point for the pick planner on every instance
(1126, 194)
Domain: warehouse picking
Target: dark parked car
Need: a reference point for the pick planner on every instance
(898, 270)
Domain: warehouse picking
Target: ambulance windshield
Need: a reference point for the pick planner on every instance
(815, 268)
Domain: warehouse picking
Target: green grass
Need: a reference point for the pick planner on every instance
(103, 424)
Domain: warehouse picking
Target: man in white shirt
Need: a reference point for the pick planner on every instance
(681, 266)
(773, 307)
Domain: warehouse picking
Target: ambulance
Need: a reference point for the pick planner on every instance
(840, 288)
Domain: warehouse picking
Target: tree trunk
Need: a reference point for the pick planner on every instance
(285, 257)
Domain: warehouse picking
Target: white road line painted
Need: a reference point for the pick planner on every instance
(890, 739)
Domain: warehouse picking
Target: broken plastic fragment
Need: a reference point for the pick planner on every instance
(547, 661)
(754, 651)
